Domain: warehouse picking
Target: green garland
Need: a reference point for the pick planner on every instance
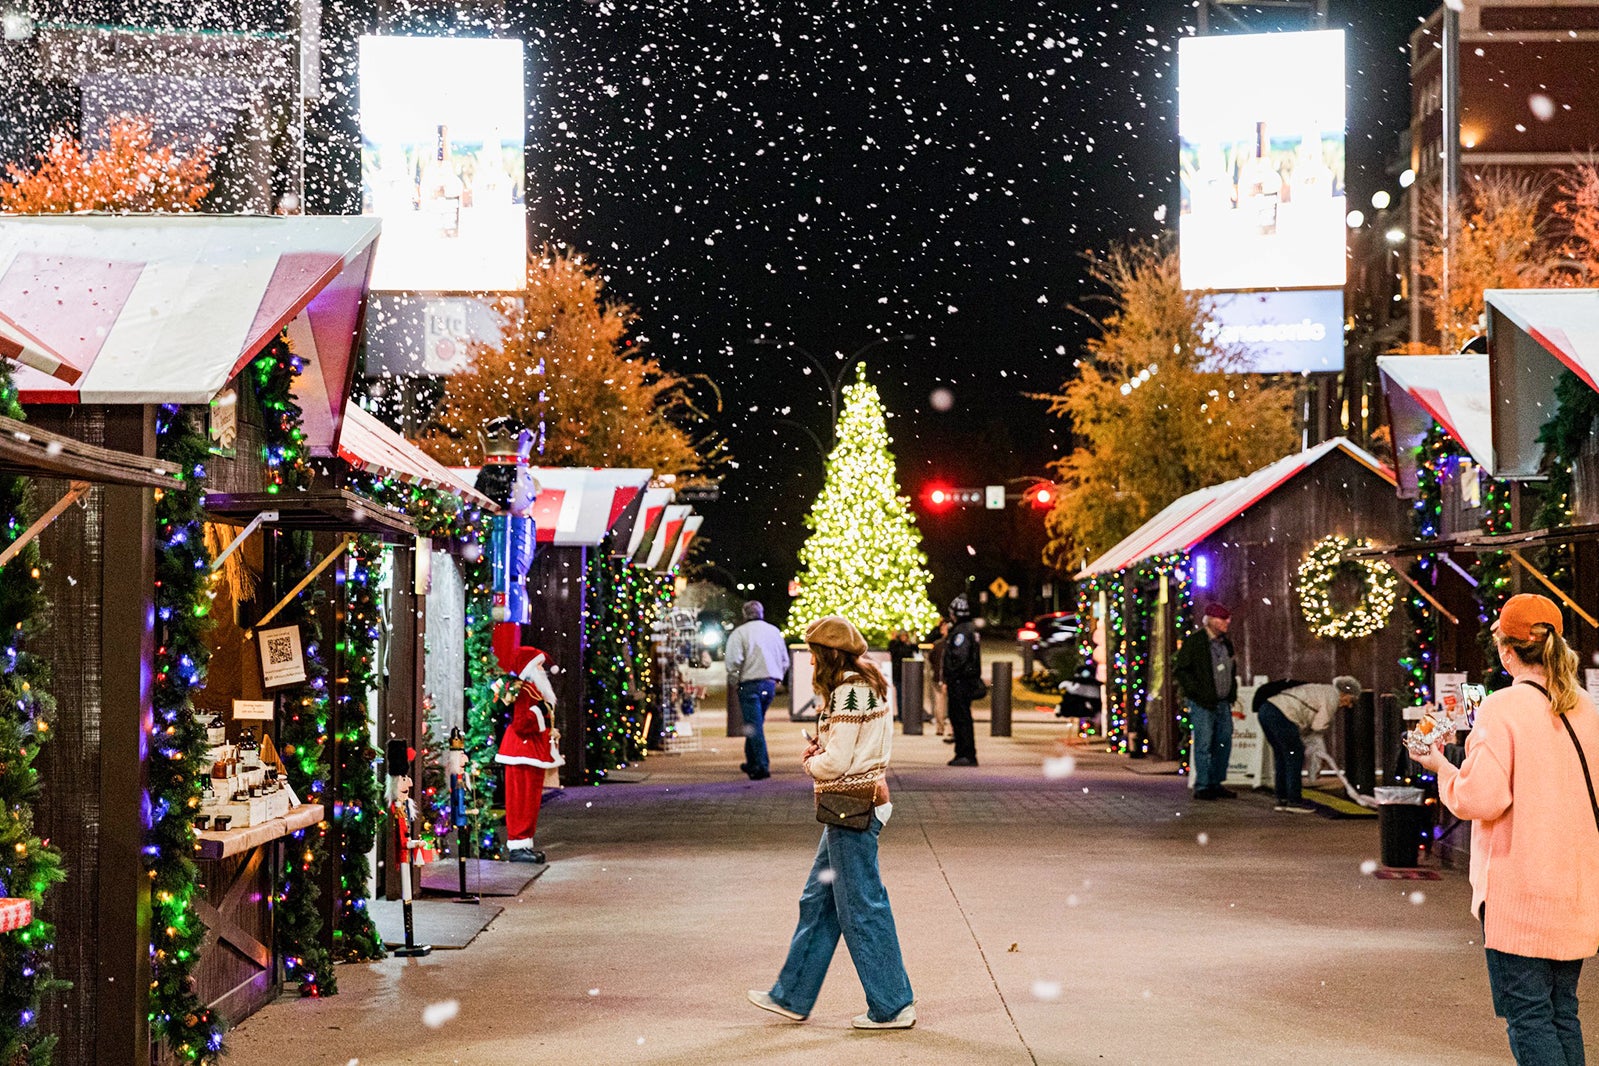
(1436, 459)
(1322, 565)
(305, 725)
(1564, 436)
(482, 708)
(614, 721)
(28, 866)
(1492, 573)
(359, 806)
(178, 746)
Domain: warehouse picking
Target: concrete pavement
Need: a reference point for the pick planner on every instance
(1098, 918)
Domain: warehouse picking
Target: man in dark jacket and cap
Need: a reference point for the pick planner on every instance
(1207, 672)
(963, 677)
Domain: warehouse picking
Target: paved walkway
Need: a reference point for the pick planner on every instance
(1100, 918)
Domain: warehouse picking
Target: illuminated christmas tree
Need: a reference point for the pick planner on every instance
(864, 556)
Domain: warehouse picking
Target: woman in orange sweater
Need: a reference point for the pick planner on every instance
(1526, 786)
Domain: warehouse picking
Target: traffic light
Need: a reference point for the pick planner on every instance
(1042, 497)
(940, 497)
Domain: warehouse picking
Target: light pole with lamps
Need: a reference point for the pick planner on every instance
(834, 381)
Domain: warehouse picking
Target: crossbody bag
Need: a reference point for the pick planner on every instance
(1582, 758)
(847, 804)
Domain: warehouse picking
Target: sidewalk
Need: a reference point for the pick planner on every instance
(1101, 918)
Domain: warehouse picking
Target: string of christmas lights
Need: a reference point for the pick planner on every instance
(28, 866)
(1436, 458)
(617, 691)
(304, 729)
(358, 808)
(864, 557)
(1321, 568)
(183, 596)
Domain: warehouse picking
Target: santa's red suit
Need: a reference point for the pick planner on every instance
(526, 749)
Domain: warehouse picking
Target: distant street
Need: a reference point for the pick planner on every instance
(1099, 918)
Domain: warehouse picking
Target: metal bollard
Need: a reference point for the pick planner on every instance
(1029, 664)
(910, 696)
(1360, 743)
(999, 699)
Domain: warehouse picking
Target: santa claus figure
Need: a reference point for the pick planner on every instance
(531, 744)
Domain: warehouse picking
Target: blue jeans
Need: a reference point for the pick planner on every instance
(1537, 998)
(851, 901)
(1288, 752)
(1213, 742)
(753, 699)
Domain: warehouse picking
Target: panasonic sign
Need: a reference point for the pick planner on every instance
(1295, 332)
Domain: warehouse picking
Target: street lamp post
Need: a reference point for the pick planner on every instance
(834, 382)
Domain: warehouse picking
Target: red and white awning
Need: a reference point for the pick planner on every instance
(1194, 517)
(1535, 335)
(579, 505)
(1451, 390)
(367, 443)
(166, 309)
(649, 523)
(664, 545)
(690, 527)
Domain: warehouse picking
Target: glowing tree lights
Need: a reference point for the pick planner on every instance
(1322, 567)
(183, 597)
(864, 558)
(28, 867)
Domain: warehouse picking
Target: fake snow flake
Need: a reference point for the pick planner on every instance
(827, 877)
(1418, 897)
(434, 1015)
(1059, 767)
(594, 991)
(1071, 901)
(941, 399)
(1543, 108)
(1368, 867)
(1049, 991)
(1203, 838)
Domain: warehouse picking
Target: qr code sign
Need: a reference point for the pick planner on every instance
(280, 650)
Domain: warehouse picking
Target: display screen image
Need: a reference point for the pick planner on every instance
(1261, 125)
(442, 123)
(1298, 332)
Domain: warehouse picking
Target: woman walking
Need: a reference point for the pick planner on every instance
(1526, 784)
(848, 760)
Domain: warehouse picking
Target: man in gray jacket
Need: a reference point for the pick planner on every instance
(757, 659)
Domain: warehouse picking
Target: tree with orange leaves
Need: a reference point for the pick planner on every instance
(130, 173)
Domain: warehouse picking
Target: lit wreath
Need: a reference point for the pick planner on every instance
(1379, 590)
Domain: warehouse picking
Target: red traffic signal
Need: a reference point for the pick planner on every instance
(939, 497)
(1041, 496)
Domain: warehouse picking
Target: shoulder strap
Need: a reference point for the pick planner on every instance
(1565, 720)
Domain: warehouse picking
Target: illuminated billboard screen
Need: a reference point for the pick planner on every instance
(441, 162)
(1299, 332)
(1261, 121)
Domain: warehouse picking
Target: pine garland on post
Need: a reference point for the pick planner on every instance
(28, 866)
(482, 709)
(614, 726)
(1568, 431)
(177, 745)
(1435, 459)
(305, 718)
(359, 807)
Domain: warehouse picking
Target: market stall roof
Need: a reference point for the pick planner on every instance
(1193, 517)
(367, 443)
(690, 527)
(1534, 335)
(1451, 390)
(166, 309)
(580, 505)
(665, 542)
(331, 510)
(648, 525)
(26, 449)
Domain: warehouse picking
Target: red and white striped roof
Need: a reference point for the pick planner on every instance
(649, 522)
(1451, 390)
(665, 542)
(367, 443)
(579, 505)
(1533, 334)
(1192, 518)
(166, 309)
(690, 527)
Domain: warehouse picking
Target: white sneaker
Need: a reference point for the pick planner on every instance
(903, 1020)
(765, 1001)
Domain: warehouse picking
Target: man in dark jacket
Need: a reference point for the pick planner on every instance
(1207, 672)
(963, 677)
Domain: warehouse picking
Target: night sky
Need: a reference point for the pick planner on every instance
(803, 172)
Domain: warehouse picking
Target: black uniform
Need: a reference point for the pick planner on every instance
(963, 674)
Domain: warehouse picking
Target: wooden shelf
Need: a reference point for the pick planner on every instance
(213, 845)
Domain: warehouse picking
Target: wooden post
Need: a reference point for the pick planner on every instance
(127, 652)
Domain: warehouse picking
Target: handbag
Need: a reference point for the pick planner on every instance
(979, 688)
(848, 806)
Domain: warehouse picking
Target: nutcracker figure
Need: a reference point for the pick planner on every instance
(405, 847)
(457, 771)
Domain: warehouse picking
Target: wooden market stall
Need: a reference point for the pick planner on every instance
(1242, 543)
(123, 327)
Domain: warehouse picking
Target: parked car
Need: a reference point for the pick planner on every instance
(711, 642)
(1054, 641)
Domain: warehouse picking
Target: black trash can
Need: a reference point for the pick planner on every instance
(1402, 824)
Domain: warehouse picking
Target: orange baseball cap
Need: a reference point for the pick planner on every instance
(1523, 612)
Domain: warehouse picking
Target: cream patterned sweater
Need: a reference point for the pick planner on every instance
(856, 734)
